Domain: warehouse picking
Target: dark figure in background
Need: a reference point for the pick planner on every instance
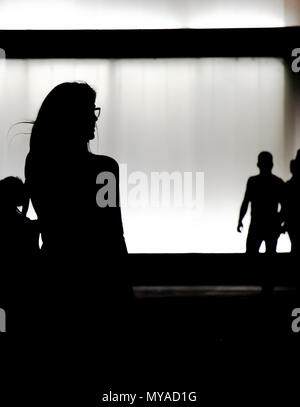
(265, 193)
(19, 236)
(19, 242)
(292, 205)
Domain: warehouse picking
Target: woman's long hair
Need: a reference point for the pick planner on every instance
(60, 131)
(56, 126)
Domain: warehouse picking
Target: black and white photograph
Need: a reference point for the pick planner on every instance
(149, 202)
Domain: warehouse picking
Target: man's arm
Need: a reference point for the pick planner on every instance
(244, 208)
(283, 207)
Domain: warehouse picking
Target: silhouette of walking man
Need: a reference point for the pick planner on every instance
(292, 205)
(265, 193)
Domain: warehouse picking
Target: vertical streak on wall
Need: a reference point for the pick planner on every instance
(2, 138)
(289, 123)
(292, 112)
(292, 12)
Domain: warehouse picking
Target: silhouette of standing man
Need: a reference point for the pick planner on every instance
(265, 192)
(292, 205)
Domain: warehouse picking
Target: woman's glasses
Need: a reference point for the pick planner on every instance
(97, 111)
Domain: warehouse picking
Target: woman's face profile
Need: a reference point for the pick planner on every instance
(85, 121)
(69, 111)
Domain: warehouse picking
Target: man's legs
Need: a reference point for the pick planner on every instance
(254, 239)
(271, 238)
(271, 243)
(294, 236)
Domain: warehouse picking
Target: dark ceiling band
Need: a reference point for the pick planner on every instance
(177, 43)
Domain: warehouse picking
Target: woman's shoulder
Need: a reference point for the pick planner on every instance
(104, 162)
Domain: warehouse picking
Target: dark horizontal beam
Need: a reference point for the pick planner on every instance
(213, 269)
(175, 43)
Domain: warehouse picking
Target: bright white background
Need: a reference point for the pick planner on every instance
(212, 115)
(126, 14)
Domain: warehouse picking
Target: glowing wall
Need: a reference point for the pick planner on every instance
(187, 115)
(126, 14)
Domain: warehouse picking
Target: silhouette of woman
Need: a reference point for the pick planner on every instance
(81, 240)
(61, 176)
